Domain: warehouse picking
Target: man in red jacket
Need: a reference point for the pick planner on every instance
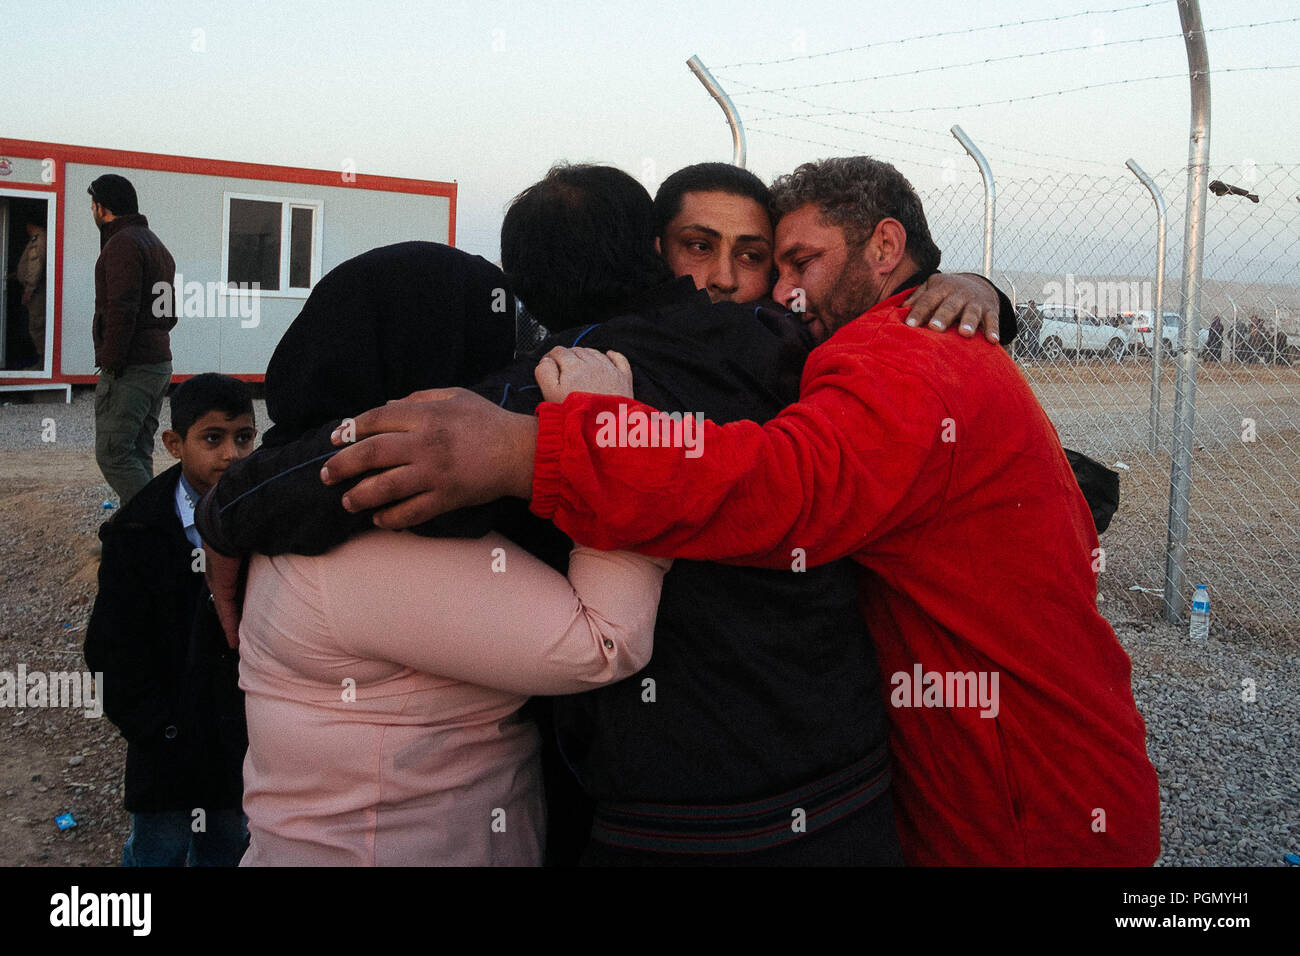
(1016, 737)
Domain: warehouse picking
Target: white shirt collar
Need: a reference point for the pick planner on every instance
(186, 499)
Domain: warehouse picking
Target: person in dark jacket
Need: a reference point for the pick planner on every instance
(171, 683)
(1214, 341)
(134, 315)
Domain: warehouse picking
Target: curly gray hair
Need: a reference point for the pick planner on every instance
(855, 193)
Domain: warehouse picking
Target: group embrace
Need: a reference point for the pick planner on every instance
(750, 561)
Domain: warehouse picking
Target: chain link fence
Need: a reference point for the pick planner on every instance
(1082, 249)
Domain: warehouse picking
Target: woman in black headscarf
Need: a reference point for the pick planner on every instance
(383, 680)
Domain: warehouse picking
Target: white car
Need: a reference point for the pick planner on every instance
(1144, 333)
(1067, 329)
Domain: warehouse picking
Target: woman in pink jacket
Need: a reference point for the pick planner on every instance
(383, 679)
(383, 682)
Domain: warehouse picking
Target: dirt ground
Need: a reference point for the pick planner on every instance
(54, 760)
(48, 585)
(1244, 511)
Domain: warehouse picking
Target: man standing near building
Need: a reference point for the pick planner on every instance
(134, 314)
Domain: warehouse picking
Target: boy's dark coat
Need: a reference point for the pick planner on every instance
(171, 683)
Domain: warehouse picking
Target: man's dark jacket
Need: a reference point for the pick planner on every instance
(133, 313)
(171, 684)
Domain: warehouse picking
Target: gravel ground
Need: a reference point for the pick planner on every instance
(21, 423)
(1230, 781)
(1229, 778)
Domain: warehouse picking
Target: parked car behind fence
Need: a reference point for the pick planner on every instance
(1069, 330)
(1143, 323)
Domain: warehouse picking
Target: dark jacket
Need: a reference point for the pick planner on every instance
(764, 680)
(171, 684)
(133, 314)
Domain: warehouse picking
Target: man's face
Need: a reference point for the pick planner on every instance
(821, 277)
(97, 212)
(213, 443)
(722, 241)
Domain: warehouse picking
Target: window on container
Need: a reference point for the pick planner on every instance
(301, 235)
(254, 243)
(272, 242)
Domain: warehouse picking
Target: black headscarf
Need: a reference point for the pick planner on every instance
(384, 324)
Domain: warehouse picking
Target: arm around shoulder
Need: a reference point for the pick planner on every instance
(487, 612)
(821, 481)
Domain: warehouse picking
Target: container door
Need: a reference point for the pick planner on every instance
(27, 299)
(4, 282)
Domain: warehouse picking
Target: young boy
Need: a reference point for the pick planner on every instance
(171, 684)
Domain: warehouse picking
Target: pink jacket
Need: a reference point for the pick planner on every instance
(382, 685)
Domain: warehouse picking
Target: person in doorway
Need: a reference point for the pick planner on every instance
(30, 274)
(134, 315)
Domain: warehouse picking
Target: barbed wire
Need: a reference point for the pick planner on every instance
(951, 151)
(827, 110)
(946, 136)
(1079, 89)
(838, 146)
(1009, 57)
(871, 119)
(1072, 182)
(772, 114)
(1069, 180)
(1000, 160)
(946, 33)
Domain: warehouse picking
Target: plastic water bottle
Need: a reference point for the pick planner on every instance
(1201, 613)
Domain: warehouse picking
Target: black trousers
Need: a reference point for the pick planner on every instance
(867, 837)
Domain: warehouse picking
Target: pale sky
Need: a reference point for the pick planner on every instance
(490, 94)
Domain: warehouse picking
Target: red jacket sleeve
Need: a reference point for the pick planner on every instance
(860, 456)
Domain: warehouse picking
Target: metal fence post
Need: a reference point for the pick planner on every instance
(1180, 477)
(1011, 284)
(738, 147)
(1275, 328)
(990, 195)
(1157, 324)
(1230, 334)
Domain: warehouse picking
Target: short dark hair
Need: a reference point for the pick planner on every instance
(856, 193)
(115, 193)
(195, 397)
(706, 178)
(578, 245)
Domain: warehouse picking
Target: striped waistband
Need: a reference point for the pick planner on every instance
(744, 827)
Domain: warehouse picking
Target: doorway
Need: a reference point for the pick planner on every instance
(27, 292)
